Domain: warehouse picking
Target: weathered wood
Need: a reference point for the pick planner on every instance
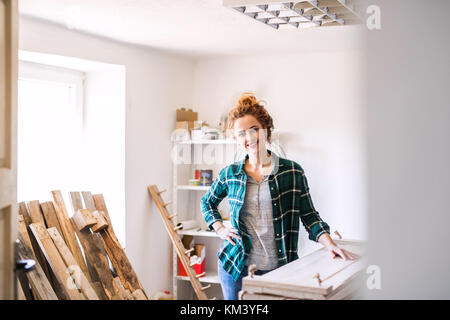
(125, 294)
(28, 236)
(25, 214)
(99, 290)
(40, 286)
(77, 204)
(101, 222)
(93, 253)
(115, 251)
(83, 219)
(50, 215)
(100, 205)
(139, 295)
(55, 261)
(68, 230)
(80, 278)
(34, 208)
(88, 200)
(22, 228)
(23, 289)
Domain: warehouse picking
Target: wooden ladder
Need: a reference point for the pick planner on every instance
(181, 251)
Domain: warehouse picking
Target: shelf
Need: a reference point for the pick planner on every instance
(188, 187)
(219, 141)
(210, 277)
(201, 233)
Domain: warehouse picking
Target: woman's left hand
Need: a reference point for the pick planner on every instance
(337, 252)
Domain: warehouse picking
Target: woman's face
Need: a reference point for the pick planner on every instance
(250, 134)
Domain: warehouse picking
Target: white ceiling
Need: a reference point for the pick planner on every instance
(191, 27)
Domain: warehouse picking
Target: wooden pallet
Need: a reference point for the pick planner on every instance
(183, 254)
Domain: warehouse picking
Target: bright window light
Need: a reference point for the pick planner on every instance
(50, 130)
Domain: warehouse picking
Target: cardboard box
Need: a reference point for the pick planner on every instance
(186, 115)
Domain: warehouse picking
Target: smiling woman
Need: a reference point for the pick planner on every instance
(268, 197)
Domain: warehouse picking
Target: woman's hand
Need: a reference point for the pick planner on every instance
(335, 250)
(227, 234)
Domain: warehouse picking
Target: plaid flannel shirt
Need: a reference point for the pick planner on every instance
(291, 201)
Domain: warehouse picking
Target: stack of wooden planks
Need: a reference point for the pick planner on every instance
(78, 256)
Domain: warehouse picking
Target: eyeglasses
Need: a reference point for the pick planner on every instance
(251, 132)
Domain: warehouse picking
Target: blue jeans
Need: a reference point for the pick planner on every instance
(231, 288)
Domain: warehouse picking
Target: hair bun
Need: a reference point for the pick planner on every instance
(247, 99)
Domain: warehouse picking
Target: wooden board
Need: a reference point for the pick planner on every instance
(80, 278)
(113, 247)
(34, 208)
(55, 261)
(77, 204)
(93, 252)
(23, 211)
(175, 238)
(40, 286)
(67, 230)
(22, 228)
(296, 279)
(51, 219)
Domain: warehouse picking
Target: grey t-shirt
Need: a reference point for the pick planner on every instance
(256, 215)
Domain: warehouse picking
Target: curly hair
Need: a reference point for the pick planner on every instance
(248, 105)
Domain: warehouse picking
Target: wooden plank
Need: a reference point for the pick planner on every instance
(99, 290)
(77, 204)
(83, 219)
(24, 212)
(196, 285)
(67, 230)
(60, 269)
(22, 228)
(31, 241)
(80, 278)
(40, 286)
(50, 215)
(88, 200)
(76, 201)
(101, 222)
(23, 289)
(93, 252)
(125, 294)
(114, 249)
(139, 295)
(34, 208)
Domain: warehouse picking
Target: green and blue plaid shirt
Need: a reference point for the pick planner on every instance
(291, 201)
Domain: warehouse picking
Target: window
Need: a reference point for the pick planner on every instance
(50, 130)
(72, 130)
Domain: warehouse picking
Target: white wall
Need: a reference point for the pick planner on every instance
(157, 84)
(409, 150)
(315, 100)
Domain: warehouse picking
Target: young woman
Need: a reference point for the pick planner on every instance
(268, 195)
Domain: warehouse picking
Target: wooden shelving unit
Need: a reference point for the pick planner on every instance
(190, 210)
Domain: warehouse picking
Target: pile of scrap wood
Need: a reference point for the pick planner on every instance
(78, 256)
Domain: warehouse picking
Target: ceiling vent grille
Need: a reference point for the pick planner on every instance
(298, 14)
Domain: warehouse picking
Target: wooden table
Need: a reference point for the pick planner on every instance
(299, 279)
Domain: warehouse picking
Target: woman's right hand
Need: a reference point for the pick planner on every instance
(227, 233)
